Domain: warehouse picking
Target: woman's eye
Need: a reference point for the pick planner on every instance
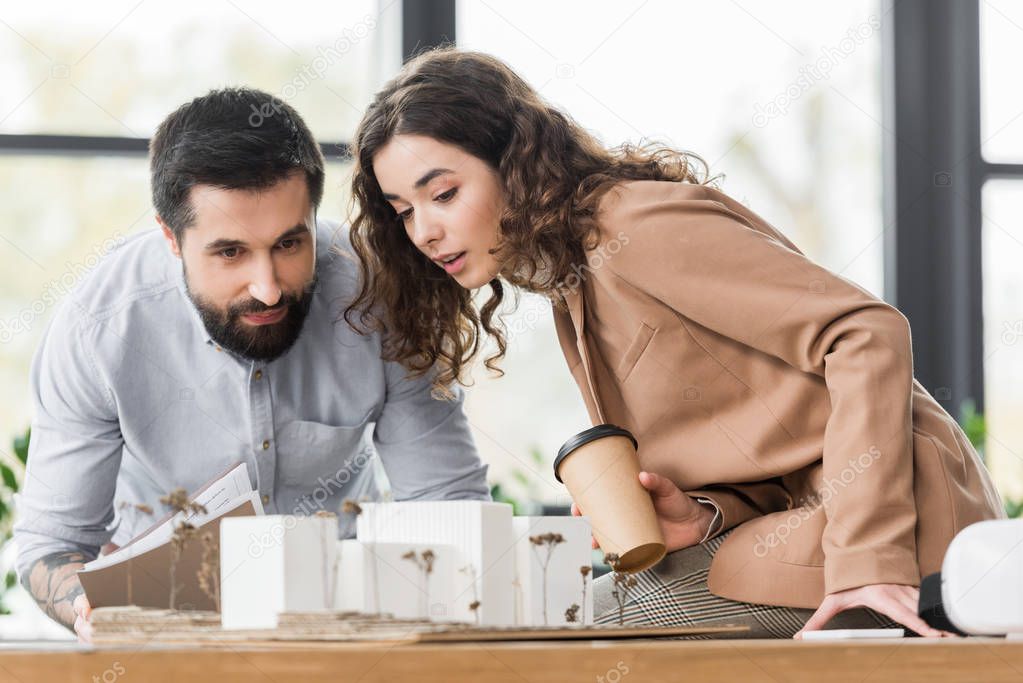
(446, 196)
(405, 215)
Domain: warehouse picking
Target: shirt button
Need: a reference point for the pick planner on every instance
(266, 499)
(258, 374)
(266, 445)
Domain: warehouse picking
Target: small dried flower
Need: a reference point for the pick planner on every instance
(572, 613)
(625, 580)
(183, 532)
(423, 560)
(178, 501)
(141, 507)
(350, 507)
(547, 539)
(585, 570)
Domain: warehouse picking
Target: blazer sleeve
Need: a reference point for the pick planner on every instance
(737, 503)
(688, 249)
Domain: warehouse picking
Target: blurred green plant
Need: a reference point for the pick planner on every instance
(521, 491)
(975, 426)
(11, 473)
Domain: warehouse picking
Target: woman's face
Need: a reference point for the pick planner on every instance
(449, 201)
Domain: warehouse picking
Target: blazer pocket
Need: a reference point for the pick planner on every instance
(635, 350)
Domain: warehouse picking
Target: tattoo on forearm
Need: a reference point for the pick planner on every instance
(53, 582)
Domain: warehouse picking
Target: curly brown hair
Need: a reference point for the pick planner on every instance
(553, 173)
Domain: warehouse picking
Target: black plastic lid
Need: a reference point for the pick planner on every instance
(591, 434)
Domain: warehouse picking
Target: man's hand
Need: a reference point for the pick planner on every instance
(683, 521)
(83, 627)
(895, 601)
(53, 582)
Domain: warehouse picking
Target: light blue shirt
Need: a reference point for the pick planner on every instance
(133, 399)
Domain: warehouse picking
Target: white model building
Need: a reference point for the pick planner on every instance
(553, 561)
(459, 561)
(275, 563)
(480, 534)
(404, 580)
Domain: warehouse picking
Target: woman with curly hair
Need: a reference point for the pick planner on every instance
(801, 476)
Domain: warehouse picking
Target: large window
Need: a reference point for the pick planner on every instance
(1003, 332)
(117, 68)
(105, 75)
(1001, 50)
(782, 98)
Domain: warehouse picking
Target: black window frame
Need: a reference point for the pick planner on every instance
(934, 174)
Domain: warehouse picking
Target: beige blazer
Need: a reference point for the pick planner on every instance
(778, 390)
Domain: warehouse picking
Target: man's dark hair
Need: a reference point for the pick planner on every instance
(235, 139)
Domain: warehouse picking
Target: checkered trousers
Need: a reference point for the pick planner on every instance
(674, 593)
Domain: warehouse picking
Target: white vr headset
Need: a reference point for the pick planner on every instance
(982, 578)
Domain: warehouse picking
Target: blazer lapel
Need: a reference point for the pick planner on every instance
(577, 312)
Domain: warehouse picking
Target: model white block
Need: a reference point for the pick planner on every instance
(550, 553)
(404, 580)
(275, 563)
(481, 535)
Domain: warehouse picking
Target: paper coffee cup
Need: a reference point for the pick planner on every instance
(601, 470)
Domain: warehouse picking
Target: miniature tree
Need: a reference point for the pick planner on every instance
(584, 571)
(147, 510)
(572, 613)
(424, 561)
(549, 541)
(474, 606)
(177, 500)
(517, 586)
(183, 533)
(329, 575)
(622, 583)
(209, 569)
(350, 507)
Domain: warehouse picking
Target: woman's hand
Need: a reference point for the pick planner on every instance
(895, 601)
(683, 521)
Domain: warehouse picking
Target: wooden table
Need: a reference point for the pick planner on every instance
(984, 660)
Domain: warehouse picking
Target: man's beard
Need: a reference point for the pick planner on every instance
(255, 342)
